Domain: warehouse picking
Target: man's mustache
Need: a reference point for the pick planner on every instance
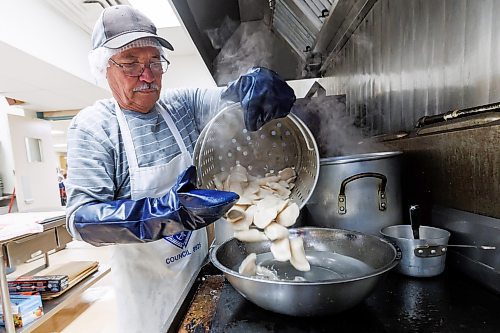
(147, 86)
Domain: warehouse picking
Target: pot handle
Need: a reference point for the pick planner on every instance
(430, 251)
(382, 198)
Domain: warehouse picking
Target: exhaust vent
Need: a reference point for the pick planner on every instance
(305, 35)
(299, 22)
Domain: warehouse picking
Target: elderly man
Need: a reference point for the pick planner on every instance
(130, 179)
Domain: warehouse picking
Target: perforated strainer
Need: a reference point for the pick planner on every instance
(281, 143)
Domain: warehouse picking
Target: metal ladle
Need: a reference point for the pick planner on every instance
(426, 251)
(481, 247)
(415, 220)
(415, 227)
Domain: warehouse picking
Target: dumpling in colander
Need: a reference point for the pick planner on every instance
(251, 235)
(269, 179)
(276, 231)
(236, 213)
(286, 174)
(279, 190)
(240, 169)
(246, 221)
(266, 212)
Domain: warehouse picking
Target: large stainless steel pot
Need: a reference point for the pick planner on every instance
(345, 268)
(358, 192)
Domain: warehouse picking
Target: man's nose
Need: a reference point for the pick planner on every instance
(147, 75)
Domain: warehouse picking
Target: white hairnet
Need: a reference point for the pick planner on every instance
(99, 57)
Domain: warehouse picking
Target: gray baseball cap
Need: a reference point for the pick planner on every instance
(119, 25)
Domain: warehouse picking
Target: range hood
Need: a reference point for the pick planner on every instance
(296, 38)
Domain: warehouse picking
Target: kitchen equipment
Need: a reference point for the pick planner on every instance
(481, 266)
(281, 143)
(398, 304)
(346, 266)
(224, 142)
(422, 257)
(415, 221)
(358, 192)
(480, 247)
(454, 114)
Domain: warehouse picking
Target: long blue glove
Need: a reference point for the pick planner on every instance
(263, 95)
(137, 221)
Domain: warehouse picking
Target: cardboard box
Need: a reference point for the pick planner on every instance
(25, 309)
(76, 272)
(46, 283)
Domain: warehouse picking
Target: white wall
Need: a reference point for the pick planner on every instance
(6, 157)
(38, 29)
(187, 71)
(40, 180)
(36, 180)
(301, 87)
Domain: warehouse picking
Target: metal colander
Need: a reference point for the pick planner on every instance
(281, 143)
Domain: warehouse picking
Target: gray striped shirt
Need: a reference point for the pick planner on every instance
(97, 163)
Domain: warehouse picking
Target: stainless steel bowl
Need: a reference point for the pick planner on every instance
(345, 268)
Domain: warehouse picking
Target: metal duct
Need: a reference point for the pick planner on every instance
(299, 32)
(298, 28)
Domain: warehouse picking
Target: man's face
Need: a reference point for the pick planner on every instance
(135, 93)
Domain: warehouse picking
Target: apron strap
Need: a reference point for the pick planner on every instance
(174, 130)
(127, 136)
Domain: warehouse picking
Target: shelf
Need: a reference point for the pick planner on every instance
(51, 307)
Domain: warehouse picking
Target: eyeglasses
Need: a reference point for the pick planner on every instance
(136, 68)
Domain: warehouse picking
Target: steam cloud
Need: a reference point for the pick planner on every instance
(220, 35)
(336, 133)
(247, 44)
(250, 45)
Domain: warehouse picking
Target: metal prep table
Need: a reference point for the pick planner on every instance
(18, 250)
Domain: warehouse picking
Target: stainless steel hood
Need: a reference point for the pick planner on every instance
(296, 38)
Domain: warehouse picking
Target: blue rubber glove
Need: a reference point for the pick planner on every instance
(263, 95)
(184, 207)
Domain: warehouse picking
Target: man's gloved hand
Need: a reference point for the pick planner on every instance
(263, 95)
(184, 207)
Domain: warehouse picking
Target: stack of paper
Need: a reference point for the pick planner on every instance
(18, 224)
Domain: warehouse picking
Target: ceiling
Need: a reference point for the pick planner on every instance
(46, 87)
(42, 86)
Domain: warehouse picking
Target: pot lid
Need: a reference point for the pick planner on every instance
(359, 157)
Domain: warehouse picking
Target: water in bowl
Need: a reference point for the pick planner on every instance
(324, 266)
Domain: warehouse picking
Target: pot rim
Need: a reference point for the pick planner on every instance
(359, 157)
(386, 232)
(393, 263)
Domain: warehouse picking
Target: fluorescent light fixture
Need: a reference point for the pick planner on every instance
(57, 132)
(159, 11)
